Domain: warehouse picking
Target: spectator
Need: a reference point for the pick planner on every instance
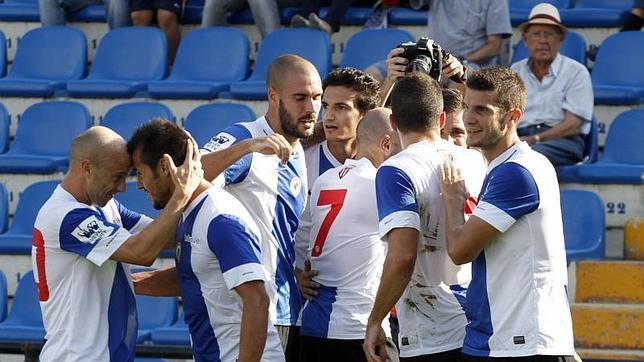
(55, 12)
(166, 13)
(635, 18)
(307, 16)
(560, 95)
(265, 12)
(454, 129)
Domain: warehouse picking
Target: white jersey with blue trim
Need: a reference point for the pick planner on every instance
(218, 250)
(430, 310)
(274, 194)
(87, 300)
(517, 302)
(346, 250)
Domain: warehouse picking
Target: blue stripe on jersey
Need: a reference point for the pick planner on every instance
(129, 218)
(121, 318)
(228, 238)
(72, 221)
(238, 171)
(204, 342)
(324, 163)
(479, 329)
(460, 294)
(511, 188)
(394, 191)
(288, 209)
(317, 313)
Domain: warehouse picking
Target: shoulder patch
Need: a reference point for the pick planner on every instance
(91, 230)
(220, 141)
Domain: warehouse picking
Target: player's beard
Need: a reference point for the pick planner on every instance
(289, 124)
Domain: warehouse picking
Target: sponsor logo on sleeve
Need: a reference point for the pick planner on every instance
(220, 141)
(91, 230)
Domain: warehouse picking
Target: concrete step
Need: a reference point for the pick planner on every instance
(608, 325)
(611, 354)
(634, 239)
(610, 281)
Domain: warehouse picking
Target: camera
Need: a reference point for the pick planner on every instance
(425, 56)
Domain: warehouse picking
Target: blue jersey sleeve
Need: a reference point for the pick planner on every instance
(509, 192)
(129, 218)
(396, 198)
(232, 135)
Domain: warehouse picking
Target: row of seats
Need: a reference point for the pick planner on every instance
(214, 62)
(584, 13)
(59, 122)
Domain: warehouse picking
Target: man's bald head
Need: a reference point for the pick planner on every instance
(285, 65)
(373, 126)
(96, 144)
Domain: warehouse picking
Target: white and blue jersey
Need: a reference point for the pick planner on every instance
(517, 301)
(430, 310)
(87, 300)
(218, 250)
(275, 195)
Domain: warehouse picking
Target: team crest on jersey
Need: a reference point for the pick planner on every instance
(296, 185)
(91, 230)
(222, 140)
(344, 171)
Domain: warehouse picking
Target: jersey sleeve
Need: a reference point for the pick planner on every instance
(396, 198)
(85, 231)
(510, 193)
(232, 135)
(132, 220)
(238, 250)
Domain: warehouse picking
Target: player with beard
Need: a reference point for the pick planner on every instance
(262, 164)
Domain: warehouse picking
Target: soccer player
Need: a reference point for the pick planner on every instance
(263, 166)
(345, 248)
(454, 129)
(83, 241)
(516, 303)
(418, 274)
(219, 269)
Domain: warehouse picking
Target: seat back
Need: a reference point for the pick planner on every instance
(574, 47)
(367, 47)
(136, 200)
(4, 129)
(25, 310)
(624, 140)
(52, 52)
(205, 121)
(583, 218)
(591, 143)
(605, 4)
(618, 58)
(3, 54)
(4, 208)
(156, 312)
(213, 54)
(124, 118)
(131, 53)
(529, 4)
(3, 296)
(29, 203)
(311, 44)
(48, 128)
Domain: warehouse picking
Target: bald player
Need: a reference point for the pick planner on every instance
(262, 164)
(345, 248)
(83, 241)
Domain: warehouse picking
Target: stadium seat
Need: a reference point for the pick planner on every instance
(4, 208)
(407, 16)
(4, 129)
(574, 46)
(193, 12)
(24, 321)
(597, 13)
(136, 200)
(44, 136)
(126, 60)
(245, 16)
(17, 240)
(19, 10)
(3, 54)
(45, 60)
(615, 77)
(623, 159)
(174, 335)
(367, 47)
(583, 223)
(207, 120)
(153, 313)
(311, 44)
(520, 9)
(207, 61)
(124, 118)
(4, 301)
(591, 143)
(94, 13)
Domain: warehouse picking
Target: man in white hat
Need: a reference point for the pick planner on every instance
(559, 105)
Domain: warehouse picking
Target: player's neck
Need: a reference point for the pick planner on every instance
(504, 144)
(410, 138)
(272, 118)
(75, 185)
(203, 186)
(342, 150)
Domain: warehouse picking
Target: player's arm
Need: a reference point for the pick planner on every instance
(254, 324)
(157, 283)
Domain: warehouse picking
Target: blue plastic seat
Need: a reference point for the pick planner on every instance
(520, 9)
(311, 44)
(4, 208)
(205, 121)
(3, 296)
(3, 54)
(407, 16)
(136, 200)
(623, 159)
(17, 240)
(45, 60)
(617, 77)
(24, 322)
(4, 129)
(124, 118)
(583, 223)
(19, 10)
(574, 47)
(207, 61)
(126, 60)
(44, 136)
(597, 13)
(367, 47)
(153, 313)
(174, 335)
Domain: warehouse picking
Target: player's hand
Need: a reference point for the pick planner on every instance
(308, 287)
(375, 342)
(274, 144)
(396, 65)
(452, 181)
(452, 67)
(189, 175)
(138, 278)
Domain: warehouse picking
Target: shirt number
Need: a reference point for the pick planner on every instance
(335, 198)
